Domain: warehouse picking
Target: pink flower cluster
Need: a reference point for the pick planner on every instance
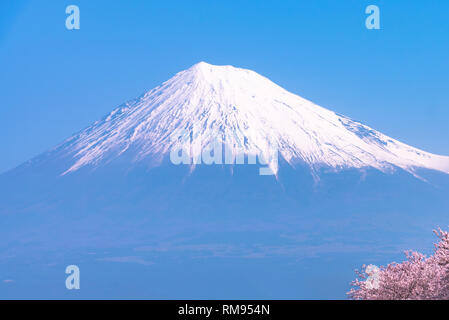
(417, 278)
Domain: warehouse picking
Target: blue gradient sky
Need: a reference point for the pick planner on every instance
(54, 82)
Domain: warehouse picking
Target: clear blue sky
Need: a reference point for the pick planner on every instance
(54, 82)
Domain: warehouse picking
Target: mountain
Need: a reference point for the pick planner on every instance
(244, 111)
(162, 198)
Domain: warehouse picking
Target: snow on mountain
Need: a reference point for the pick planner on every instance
(248, 113)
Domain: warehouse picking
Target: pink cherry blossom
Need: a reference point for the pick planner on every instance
(417, 278)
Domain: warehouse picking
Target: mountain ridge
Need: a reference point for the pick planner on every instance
(244, 111)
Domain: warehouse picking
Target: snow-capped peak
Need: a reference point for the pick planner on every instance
(248, 113)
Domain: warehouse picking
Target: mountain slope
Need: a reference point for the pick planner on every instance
(246, 112)
(166, 231)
